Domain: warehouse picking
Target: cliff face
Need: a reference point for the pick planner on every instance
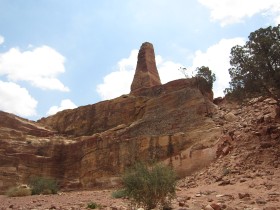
(90, 145)
(162, 106)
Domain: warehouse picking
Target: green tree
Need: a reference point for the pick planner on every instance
(256, 65)
(205, 73)
(205, 77)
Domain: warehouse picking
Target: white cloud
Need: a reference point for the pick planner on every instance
(40, 67)
(217, 58)
(16, 99)
(1, 39)
(234, 11)
(168, 70)
(64, 104)
(118, 82)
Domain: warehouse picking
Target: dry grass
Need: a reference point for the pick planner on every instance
(18, 192)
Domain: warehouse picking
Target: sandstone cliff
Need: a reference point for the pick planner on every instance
(91, 145)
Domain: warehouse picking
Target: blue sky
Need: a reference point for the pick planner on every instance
(62, 54)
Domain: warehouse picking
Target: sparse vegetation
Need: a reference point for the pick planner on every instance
(150, 186)
(119, 193)
(209, 77)
(43, 185)
(18, 191)
(205, 78)
(93, 205)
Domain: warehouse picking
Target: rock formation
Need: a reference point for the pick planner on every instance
(92, 144)
(245, 172)
(146, 74)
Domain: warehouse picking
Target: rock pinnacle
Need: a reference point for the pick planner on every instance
(146, 74)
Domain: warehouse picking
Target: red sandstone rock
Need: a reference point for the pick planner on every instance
(146, 74)
(84, 160)
(215, 206)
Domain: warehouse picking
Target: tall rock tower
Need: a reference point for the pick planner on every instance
(146, 74)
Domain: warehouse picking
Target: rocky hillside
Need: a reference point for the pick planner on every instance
(246, 173)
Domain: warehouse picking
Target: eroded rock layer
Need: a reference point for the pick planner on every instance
(91, 145)
(146, 74)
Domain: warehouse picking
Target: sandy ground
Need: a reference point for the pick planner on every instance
(259, 192)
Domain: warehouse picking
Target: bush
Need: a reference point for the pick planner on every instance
(18, 192)
(93, 205)
(150, 186)
(43, 185)
(119, 193)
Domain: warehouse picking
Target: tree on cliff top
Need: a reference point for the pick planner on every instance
(256, 65)
(205, 73)
(201, 72)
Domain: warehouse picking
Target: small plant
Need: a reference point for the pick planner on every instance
(43, 185)
(226, 171)
(18, 192)
(93, 205)
(119, 193)
(150, 186)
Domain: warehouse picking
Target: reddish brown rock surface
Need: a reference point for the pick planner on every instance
(146, 74)
(245, 176)
(90, 145)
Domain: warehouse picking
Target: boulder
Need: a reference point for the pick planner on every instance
(230, 117)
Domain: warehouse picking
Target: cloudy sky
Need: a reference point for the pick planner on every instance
(62, 54)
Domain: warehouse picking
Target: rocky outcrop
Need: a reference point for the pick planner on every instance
(146, 74)
(161, 106)
(22, 126)
(90, 145)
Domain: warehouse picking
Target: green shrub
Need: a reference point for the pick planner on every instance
(93, 205)
(18, 192)
(43, 185)
(119, 193)
(150, 186)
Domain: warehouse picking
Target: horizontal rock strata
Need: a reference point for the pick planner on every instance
(91, 145)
